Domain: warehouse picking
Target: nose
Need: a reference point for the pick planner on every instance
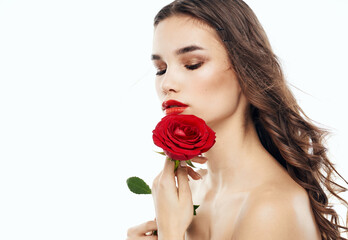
(170, 83)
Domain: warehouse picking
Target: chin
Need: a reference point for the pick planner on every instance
(208, 121)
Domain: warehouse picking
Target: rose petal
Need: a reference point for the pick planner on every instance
(183, 137)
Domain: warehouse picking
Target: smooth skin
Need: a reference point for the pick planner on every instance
(244, 193)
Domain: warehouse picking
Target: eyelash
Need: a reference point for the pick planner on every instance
(161, 72)
(194, 66)
(188, 67)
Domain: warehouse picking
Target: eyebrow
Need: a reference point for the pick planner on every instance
(180, 51)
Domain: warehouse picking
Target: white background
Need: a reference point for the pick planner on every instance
(78, 106)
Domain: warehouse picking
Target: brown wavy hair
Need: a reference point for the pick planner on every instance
(282, 126)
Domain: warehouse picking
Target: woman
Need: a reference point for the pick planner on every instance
(268, 170)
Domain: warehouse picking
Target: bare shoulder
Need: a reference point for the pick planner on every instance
(277, 211)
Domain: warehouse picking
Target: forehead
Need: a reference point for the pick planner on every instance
(179, 31)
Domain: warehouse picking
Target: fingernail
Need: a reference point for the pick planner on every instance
(199, 175)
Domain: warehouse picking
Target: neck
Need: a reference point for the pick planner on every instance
(238, 158)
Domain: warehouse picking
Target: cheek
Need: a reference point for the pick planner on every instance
(158, 89)
(216, 94)
(216, 83)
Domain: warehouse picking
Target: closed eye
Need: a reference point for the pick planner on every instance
(194, 66)
(161, 72)
(189, 67)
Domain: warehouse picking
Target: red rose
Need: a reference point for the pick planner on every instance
(183, 137)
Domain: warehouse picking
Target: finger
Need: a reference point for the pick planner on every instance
(183, 185)
(155, 181)
(168, 168)
(194, 175)
(148, 226)
(151, 237)
(144, 237)
(142, 229)
(199, 159)
(166, 178)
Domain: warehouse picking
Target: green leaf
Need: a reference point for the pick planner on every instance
(138, 186)
(194, 209)
(177, 162)
(190, 163)
(162, 153)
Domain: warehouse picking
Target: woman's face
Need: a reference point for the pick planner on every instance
(193, 68)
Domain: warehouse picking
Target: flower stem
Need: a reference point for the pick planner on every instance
(190, 163)
(177, 163)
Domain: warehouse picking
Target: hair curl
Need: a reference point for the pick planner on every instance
(282, 126)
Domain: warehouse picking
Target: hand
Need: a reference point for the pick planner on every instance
(143, 231)
(173, 205)
(194, 175)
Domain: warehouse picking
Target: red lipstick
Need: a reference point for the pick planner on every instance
(173, 107)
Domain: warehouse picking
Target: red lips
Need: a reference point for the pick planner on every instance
(173, 107)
